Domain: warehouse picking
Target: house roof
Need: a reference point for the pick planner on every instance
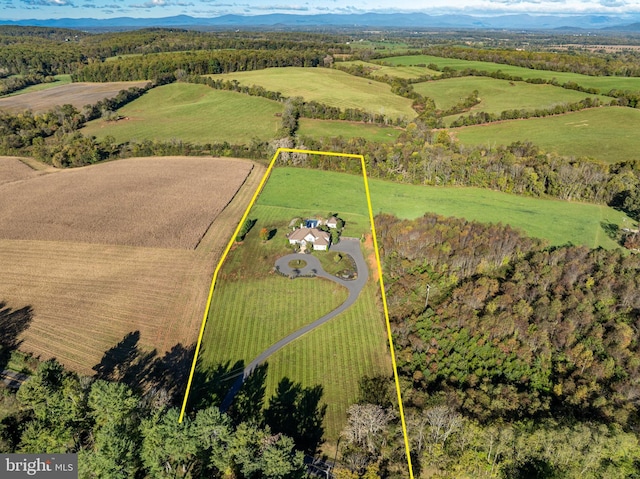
(319, 237)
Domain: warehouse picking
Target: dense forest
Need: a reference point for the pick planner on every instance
(519, 344)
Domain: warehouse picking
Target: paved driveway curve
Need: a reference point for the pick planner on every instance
(313, 267)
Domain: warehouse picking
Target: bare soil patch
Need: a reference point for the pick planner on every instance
(86, 296)
(151, 202)
(76, 94)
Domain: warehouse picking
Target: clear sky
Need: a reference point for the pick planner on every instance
(41, 9)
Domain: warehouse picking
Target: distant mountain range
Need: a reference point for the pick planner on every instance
(367, 20)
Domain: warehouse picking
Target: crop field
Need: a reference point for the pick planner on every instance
(499, 95)
(76, 94)
(12, 169)
(606, 134)
(334, 128)
(557, 221)
(145, 202)
(193, 113)
(85, 294)
(604, 84)
(333, 87)
(393, 71)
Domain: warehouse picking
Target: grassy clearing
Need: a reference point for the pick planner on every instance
(605, 84)
(499, 95)
(394, 71)
(318, 129)
(337, 355)
(606, 134)
(194, 113)
(248, 316)
(328, 86)
(557, 221)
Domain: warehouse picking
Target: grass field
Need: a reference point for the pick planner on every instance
(398, 71)
(333, 87)
(333, 128)
(557, 221)
(86, 296)
(253, 307)
(41, 98)
(605, 84)
(498, 95)
(606, 134)
(194, 113)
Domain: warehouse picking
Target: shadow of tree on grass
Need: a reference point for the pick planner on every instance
(13, 322)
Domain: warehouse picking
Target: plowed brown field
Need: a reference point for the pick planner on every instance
(102, 279)
(76, 94)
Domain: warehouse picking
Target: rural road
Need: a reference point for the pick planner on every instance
(313, 268)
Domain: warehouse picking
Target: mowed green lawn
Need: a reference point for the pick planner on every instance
(194, 113)
(497, 96)
(332, 87)
(253, 307)
(607, 134)
(318, 129)
(604, 84)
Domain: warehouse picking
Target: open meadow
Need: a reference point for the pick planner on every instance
(332, 87)
(193, 113)
(39, 98)
(559, 222)
(377, 70)
(603, 83)
(497, 96)
(606, 134)
(107, 250)
(318, 129)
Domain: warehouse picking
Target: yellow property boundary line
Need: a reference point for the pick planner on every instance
(375, 247)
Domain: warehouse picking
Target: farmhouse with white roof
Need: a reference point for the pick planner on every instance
(320, 240)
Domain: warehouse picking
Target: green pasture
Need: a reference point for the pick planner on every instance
(604, 84)
(393, 71)
(559, 222)
(325, 85)
(318, 129)
(59, 80)
(337, 355)
(606, 134)
(194, 113)
(497, 96)
(253, 307)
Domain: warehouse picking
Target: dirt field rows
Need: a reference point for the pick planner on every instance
(147, 202)
(85, 296)
(76, 94)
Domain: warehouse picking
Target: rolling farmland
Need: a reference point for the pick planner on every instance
(76, 94)
(90, 287)
(606, 134)
(333, 87)
(194, 113)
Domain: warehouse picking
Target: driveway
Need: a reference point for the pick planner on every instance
(350, 246)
